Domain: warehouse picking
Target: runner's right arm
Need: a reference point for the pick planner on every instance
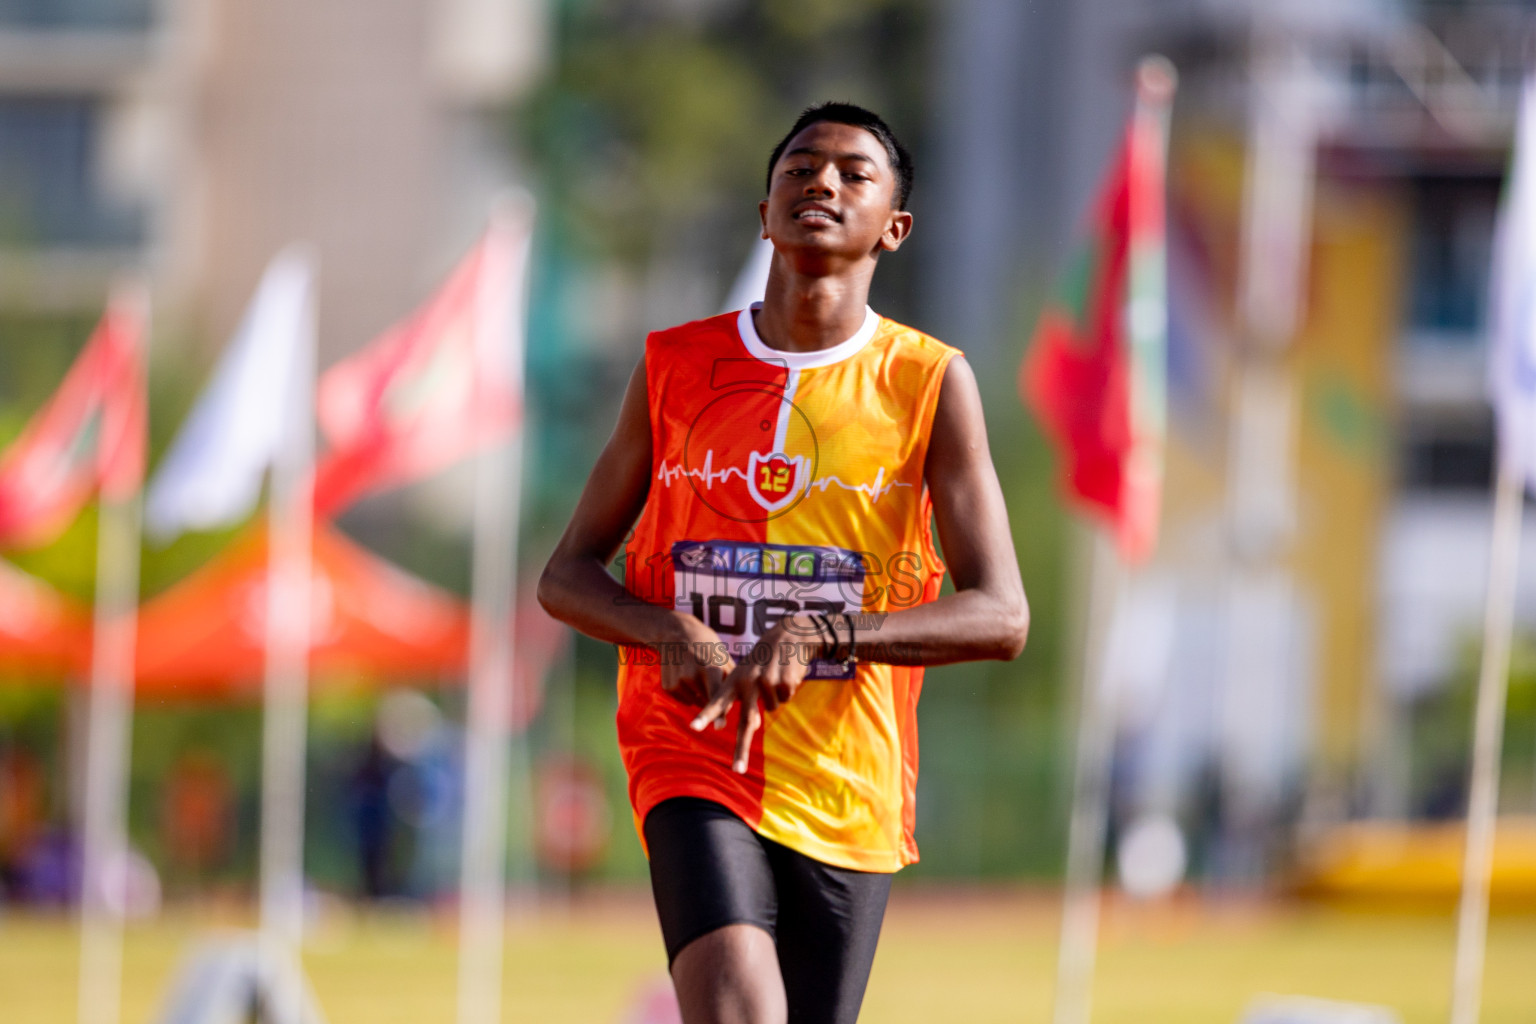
(576, 587)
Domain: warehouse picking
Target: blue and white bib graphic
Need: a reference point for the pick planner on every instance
(741, 589)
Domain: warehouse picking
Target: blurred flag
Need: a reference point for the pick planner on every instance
(435, 388)
(89, 437)
(1512, 341)
(1096, 370)
(39, 627)
(211, 477)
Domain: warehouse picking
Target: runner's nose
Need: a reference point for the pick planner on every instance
(822, 183)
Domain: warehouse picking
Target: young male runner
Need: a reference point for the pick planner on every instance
(783, 463)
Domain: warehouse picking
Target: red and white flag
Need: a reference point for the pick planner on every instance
(435, 388)
(89, 437)
(1096, 372)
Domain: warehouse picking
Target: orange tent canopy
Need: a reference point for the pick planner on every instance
(39, 627)
(205, 636)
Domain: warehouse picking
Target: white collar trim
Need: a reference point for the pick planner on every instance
(804, 360)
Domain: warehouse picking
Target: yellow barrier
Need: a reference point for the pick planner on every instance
(1413, 863)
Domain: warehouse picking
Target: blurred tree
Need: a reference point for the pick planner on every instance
(1440, 753)
(658, 119)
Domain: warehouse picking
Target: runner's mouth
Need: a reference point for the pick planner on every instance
(817, 213)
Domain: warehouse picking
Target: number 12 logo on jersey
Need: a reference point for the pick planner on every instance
(775, 480)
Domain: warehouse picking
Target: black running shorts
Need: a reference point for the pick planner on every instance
(708, 870)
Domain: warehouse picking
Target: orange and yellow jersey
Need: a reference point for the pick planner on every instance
(784, 482)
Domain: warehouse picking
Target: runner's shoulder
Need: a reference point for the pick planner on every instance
(688, 337)
(908, 343)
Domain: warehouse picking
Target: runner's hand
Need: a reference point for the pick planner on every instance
(770, 676)
(693, 672)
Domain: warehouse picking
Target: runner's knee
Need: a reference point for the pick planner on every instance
(730, 976)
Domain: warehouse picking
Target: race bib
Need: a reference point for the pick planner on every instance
(742, 590)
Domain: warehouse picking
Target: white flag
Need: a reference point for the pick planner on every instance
(752, 281)
(1512, 319)
(212, 475)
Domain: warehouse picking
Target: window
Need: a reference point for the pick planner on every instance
(76, 14)
(1452, 242)
(1448, 459)
(48, 190)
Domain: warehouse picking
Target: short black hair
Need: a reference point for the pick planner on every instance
(857, 117)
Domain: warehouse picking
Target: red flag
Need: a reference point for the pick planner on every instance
(434, 388)
(90, 436)
(1095, 371)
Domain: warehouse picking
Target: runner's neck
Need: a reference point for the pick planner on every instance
(802, 313)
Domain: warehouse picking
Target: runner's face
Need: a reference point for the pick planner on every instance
(833, 191)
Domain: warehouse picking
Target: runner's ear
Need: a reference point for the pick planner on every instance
(896, 230)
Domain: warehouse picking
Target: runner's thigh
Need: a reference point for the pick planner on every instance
(708, 870)
(828, 927)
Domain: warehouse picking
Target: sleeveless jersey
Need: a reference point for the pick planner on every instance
(783, 482)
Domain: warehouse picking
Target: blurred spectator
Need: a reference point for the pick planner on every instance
(573, 822)
(22, 800)
(424, 791)
(368, 800)
(196, 812)
(50, 873)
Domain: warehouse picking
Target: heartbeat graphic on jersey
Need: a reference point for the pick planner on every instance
(668, 472)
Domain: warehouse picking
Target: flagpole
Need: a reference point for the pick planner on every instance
(1487, 742)
(1090, 795)
(104, 828)
(285, 685)
(1261, 491)
(1145, 327)
(488, 755)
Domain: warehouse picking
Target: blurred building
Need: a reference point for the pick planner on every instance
(1385, 472)
(197, 137)
(1328, 509)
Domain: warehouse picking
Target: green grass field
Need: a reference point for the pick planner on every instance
(954, 955)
